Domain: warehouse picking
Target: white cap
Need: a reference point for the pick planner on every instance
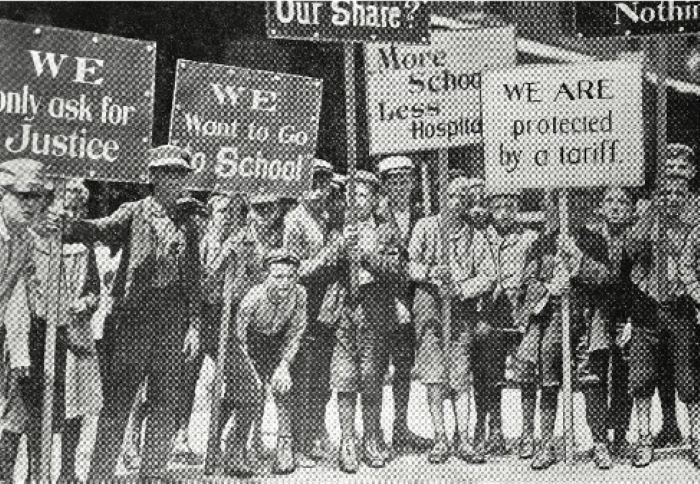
(395, 163)
(322, 166)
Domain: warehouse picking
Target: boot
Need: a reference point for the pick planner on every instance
(372, 453)
(526, 447)
(601, 456)
(440, 451)
(69, 446)
(348, 454)
(496, 445)
(545, 458)
(695, 452)
(284, 457)
(406, 441)
(644, 453)
(236, 459)
(9, 445)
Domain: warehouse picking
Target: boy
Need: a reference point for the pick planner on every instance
(270, 323)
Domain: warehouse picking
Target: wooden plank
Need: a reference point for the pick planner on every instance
(53, 295)
(351, 140)
(567, 393)
(444, 180)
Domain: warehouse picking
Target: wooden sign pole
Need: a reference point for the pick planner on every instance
(54, 298)
(567, 391)
(350, 130)
(444, 177)
(425, 182)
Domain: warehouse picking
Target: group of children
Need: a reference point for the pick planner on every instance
(320, 298)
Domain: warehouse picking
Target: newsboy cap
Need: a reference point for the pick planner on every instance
(24, 175)
(281, 256)
(321, 166)
(168, 156)
(394, 164)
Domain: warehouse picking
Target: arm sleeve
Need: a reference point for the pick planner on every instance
(484, 276)
(113, 227)
(244, 317)
(296, 329)
(418, 270)
(688, 263)
(390, 262)
(17, 322)
(319, 265)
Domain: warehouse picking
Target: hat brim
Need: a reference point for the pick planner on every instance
(174, 164)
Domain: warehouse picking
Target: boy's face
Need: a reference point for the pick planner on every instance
(20, 208)
(399, 187)
(671, 195)
(504, 210)
(617, 206)
(679, 167)
(365, 200)
(478, 212)
(266, 214)
(282, 278)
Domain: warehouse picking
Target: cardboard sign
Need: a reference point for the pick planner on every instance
(249, 131)
(349, 20)
(563, 126)
(606, 19)
(429, 97)
(80, 102)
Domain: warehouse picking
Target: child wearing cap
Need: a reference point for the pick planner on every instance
(22, 191)
(269, 326)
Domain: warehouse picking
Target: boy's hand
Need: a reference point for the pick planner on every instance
(281, 381)
(624, 338)
(191, 345)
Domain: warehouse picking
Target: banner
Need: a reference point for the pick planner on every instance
(349, 20)
(605, 19)
(429, 97)
(249, 131)
(78, 101)
(564, 126)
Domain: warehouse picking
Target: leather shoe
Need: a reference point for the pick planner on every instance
(643, 454)
(695, 452)
(239, 468)
(407, 441)
(526, 447)
(384, 448)
(478, 453)
(545, 458)
(372, 454)
(284, 456)
(348, 455)
(601, 456)
(496, 445)
(668, 437)
(440, 451)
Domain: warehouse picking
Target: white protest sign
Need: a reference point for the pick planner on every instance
(574, 125)
(425, 97)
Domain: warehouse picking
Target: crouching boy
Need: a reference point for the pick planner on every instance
(270, 323)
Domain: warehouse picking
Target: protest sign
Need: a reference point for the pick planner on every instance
(563, 126)
(429, 97)
(80, 102)
(349, 20)
(605, 19)
(249, 131)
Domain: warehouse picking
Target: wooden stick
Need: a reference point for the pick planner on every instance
(661, 101)
(425, 182)
(350, 130)
(53, 309)
(567, 393)
(213, 441)
(444, 177)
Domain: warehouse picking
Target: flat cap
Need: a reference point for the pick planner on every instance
(168, 156)
(394, 164)
(24, 175)
(339, 180)
(261, 198)
(462, 182)
(281, 256)
(320, 165)
(367, 177)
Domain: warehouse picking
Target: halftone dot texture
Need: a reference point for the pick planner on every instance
(80, 102)
(143, 340)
